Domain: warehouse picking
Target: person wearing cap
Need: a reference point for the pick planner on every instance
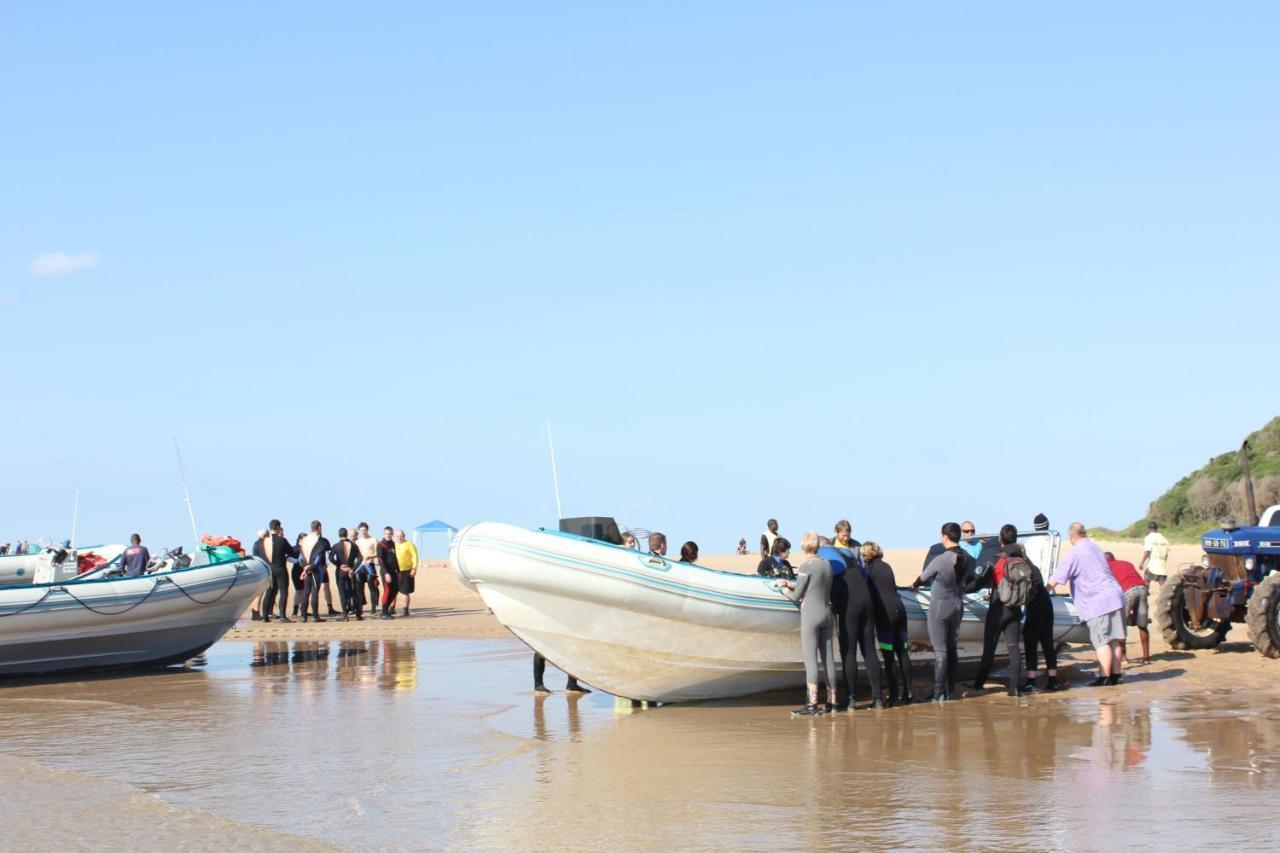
(1040, 523)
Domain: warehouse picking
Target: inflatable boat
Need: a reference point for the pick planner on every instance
(645, 627)
(96, 621)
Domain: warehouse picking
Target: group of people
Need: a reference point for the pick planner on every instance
(21, 547)
(368, 572)
(848, 596)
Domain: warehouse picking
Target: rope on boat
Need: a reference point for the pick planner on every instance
(39, 600)
(93, 609)
(235, 578)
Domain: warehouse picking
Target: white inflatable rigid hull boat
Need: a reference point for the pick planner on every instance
(645, 627)
(152, 620)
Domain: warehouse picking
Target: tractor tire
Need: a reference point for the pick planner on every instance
(1171, 619)
(1263, 617)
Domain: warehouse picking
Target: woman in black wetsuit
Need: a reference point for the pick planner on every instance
(775, 565)
(1038, 631)
(891, 622)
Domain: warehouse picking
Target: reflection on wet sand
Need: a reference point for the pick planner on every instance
(358, 726)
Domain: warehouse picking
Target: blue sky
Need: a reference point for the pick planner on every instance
(896, 263)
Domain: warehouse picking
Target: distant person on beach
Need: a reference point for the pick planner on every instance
(812, 589)
(367, 573)
(776, 565)
(314, 558)
(1100, 603)
(658, 544)
(407, 557)
(891, 623)
(689, 552)
(766, 538)
(857, 619)
(948, 573)
(277, 551)
(1004, 620)
(390, 570)
(1155, 556)
(136, 557)
(742, 547)
(1135, 598)
(345, 557)
(629, 540)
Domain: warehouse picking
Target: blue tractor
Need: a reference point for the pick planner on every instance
(1238, 580)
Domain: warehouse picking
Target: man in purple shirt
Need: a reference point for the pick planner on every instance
(136, 557)
(1100, 602)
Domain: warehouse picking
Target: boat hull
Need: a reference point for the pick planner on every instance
(647, 628)
(153, 620)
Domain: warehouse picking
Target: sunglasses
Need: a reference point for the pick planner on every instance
(968, 532)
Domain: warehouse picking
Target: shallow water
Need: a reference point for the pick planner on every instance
(437, 744)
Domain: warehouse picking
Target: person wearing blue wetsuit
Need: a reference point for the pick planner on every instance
(858, 618)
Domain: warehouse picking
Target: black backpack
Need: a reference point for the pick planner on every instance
(1014, 589)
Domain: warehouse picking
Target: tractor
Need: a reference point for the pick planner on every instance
(1238, 580)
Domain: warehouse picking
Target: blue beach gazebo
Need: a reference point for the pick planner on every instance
(436, 526)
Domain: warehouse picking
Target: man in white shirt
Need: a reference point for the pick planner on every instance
(1155, 556)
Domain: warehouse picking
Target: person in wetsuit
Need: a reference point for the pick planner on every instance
(891, 622)
(775, 565)
(345, 557)
(812, 589)
(947, 573)
(389, 568)
(1002, 619)
(367, 571)
(314, 559)
(858, 619)
(277, 551)
(1038, 635)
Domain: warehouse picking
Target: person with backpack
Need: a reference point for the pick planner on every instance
(1010, 582)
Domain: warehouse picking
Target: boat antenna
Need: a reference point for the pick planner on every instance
(555, 477)
(75, 519)
(186, 495)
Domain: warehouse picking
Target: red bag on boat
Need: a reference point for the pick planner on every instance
(87, 563)
(229, 541)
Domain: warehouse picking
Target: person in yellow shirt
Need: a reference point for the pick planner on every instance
(407, 557)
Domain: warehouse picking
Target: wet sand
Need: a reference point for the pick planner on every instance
(439, 744)
(373, 742)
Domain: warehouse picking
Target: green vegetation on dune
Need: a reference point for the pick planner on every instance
(1201, 500)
